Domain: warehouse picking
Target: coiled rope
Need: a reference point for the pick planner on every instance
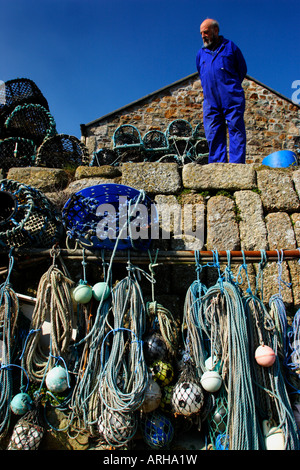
(9, 311)
(124, 375)
(160, 315)
(54, 304)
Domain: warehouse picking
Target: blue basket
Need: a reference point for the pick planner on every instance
(281, 159)
(95, 216)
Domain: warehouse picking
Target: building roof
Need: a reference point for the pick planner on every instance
(167, 87)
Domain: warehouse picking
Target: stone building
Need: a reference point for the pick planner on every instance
(272, 120)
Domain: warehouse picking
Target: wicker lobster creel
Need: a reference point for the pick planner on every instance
(16, 152)
(19, 91)
(62, 151)
(30, 121)
(27, 217)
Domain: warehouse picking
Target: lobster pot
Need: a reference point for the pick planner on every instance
(106, 215)
(19, 91)
(201, 151)
(62, 151)
(27, 217)
(104, 156)
(30, 121)
(16, 152)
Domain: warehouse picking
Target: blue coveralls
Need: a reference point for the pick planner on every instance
(221, 73)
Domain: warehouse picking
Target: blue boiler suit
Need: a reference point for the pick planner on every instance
(221, 73)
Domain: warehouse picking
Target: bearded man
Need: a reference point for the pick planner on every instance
(222, 68)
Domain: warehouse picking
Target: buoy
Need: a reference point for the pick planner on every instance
(152, 397)
(154, 347)
(265, 356)
(101, 290)
(82, 293)
(274, 437)
(280, 159)
(158, 430)
(211, 381)
(21, 403)
(163, 372)
(212, 363)
(166, 397)
(219, 420)
(57, 379)
(187, 398)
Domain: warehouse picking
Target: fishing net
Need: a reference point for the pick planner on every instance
(17, 92)
(158, 430)
(27, 217)
(188, 395)
(30, 121)
(16, 152)
(62, 151)
(104, 156)
(218, 418)
(29, 431)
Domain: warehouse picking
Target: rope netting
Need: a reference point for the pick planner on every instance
(30, 121)
(62, 151)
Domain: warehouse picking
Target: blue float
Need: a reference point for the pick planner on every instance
(280, 159)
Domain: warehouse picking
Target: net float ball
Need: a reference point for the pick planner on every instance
(158, 430)
(116, 427)
(21, 403)
(101, 291)
(187, 398)
(154, 347)
(211, 381)
(57, 379)
(166, 397)
(265, 356)
(163, 372)
(274, 437)
(82, 293)
(152, 397)
(219, 420)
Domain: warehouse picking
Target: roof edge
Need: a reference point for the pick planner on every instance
(156, 92)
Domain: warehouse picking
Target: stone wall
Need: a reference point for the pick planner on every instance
(272, 121)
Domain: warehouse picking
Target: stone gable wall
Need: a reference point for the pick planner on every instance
(272, 121)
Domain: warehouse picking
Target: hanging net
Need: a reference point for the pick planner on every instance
(104, 215)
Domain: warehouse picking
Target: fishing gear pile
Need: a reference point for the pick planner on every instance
(28, 131)
(122, 368)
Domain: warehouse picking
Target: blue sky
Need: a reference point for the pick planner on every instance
(91, 57)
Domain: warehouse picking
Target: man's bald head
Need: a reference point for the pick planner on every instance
(209, 30)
